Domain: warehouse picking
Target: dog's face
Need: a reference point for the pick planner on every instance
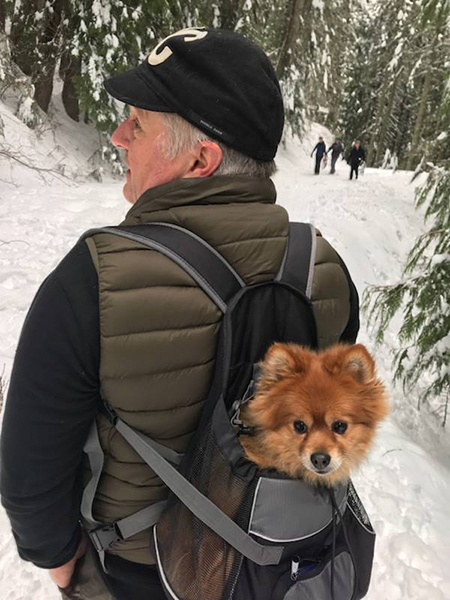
(316, 413)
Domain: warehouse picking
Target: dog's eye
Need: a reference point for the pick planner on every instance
(300, 427)
(339, 427)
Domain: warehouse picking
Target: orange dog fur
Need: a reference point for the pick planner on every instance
(314, 415)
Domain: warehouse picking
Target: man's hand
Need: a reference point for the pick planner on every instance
(62, 575)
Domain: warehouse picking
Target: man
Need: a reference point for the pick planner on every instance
(319, 149)
(356, 157)
(336, 149)
(121, 320)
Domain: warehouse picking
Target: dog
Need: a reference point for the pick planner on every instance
(314, 414)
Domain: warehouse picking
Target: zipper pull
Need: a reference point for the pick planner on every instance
(295, 563)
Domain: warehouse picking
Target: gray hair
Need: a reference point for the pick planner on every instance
(183, 136)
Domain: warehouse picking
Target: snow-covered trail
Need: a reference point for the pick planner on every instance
(372, 223)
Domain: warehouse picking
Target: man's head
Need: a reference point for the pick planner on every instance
(209, 102)
(320, 138)
(357, 143)
(153, 159)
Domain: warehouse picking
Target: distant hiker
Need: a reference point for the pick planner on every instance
(320, 151)
(356, 157)
(336, 149)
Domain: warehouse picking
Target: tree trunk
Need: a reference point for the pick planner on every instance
(419, 121)
(2, 15)
(373, 146)
(70, 67)
(294, 9)
(43, 88)
(49, 47)
(23, 37)
(230, 13)
(385, 121)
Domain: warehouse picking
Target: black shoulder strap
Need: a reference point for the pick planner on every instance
(298, 264)
(201, 261)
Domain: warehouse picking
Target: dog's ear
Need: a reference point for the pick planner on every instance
(354, 360)
(280, 361)
(359, 363)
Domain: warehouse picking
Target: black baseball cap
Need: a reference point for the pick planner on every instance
(217, 80)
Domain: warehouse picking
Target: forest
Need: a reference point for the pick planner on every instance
(370, 70)
(366, 69)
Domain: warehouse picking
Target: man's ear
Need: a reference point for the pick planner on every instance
(205, 160)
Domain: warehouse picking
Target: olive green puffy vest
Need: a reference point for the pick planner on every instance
(158, 330)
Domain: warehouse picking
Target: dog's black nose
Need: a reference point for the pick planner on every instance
(320, 460)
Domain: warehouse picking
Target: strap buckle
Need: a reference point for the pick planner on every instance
(104, 537)
(236, 422)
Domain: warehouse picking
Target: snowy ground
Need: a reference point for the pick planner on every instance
(372, 223)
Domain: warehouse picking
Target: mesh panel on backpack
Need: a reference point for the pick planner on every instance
(197, 562)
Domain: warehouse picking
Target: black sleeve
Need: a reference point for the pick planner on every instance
(52, 400)
(350, 332)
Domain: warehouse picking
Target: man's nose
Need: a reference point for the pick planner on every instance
(121, 136)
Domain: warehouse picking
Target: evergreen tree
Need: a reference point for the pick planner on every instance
(422, 362)
(35, 36)
(374, 70)
(434, 29)
(401, 47)
(359, 79)
(11, 77)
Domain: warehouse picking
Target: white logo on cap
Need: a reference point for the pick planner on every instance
(190, 34)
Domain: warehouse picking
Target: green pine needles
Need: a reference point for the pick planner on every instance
(422, 362)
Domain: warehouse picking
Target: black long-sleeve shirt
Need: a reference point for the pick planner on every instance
(52, 401)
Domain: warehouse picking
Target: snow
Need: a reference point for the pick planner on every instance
(405, 485)
(439, 258)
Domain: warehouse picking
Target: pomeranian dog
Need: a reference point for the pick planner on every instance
(314, 414)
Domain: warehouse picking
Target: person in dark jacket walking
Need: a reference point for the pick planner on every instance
(120, 322)
(336, 149)
(355, 158)
(320, 151)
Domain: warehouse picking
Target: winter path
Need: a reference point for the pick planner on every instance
(372, 223)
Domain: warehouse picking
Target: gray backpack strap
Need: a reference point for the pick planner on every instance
(96, 458)
(297, 267)
(201, 261)
(195, 501)
(104, 535)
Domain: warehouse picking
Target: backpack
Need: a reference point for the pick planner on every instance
(229, 531)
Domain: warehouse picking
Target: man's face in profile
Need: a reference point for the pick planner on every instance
(143, 136)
